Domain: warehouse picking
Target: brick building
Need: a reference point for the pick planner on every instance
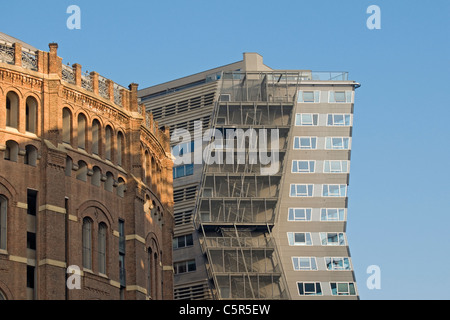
(85, 181)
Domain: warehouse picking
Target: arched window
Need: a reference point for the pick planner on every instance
(153, 178)
(3, 222)
(82, 171)
(82, 126)
(120, 148)
(121, 188)
(145, 168)
(108, 143)
(12, 151)
(67, 126)
(87, 243)
(109, 183)
(155, 275)
(96, 137)
(69, 166)
(102, 228)
(31, 155)
(31, 114)
(149, 272)
(12, 110)
(96, 176)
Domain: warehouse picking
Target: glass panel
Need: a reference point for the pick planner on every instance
(299, 238)
(307, 119)
(310, 288)
(333, 289)
(342, 288)
(352, 289)
(308, 96)
(338, 120)
(300, 289)
(340, 96)
(189, 169)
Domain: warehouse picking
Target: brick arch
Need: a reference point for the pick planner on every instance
(151, 241)
(14, 89)
(100, 212)
(5, 291)
(7, 189)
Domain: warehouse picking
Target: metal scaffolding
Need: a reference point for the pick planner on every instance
(237, 205)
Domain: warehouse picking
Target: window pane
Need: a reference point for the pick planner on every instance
(305, 143)
(300, 289)
(294, 166)
(347, 119)
(307, 119)
(181, 242)
(303, 166)
(338, 120)
(318, 289)
(293, 193)
(191, 266)
(335, 166)
(339, 96)
(291, 215)
(296, 264)
(189, 240)
(305, 263)
(299, 237)
(308, 96)
(189, 169)
(352, 289)
(343, 288)
(310, 288)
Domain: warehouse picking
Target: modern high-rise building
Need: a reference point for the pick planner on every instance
(261, 181)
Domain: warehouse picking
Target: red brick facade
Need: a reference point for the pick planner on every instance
(77, 148)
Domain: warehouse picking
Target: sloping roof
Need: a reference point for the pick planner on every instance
(6, 38)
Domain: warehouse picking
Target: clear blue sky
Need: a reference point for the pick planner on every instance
(399, 195)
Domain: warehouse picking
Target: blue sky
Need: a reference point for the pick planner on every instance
(399, 195)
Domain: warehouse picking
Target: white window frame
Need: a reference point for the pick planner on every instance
(348, 94)
(325, 236)
(335, 261)
(342, 191)
(306, 216)
(309, 190)
(316, 283)
(333, 120)
(298, 261)
(301, 96)
(332, 164)
(312, 143)
(329, 143)
(310, 163)
(300, 121)
(293, 243)
(326, 212)
(347, 293)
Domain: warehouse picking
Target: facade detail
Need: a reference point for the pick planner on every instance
(85, 184)
(261, 189)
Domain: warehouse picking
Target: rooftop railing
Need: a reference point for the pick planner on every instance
(28, 59)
